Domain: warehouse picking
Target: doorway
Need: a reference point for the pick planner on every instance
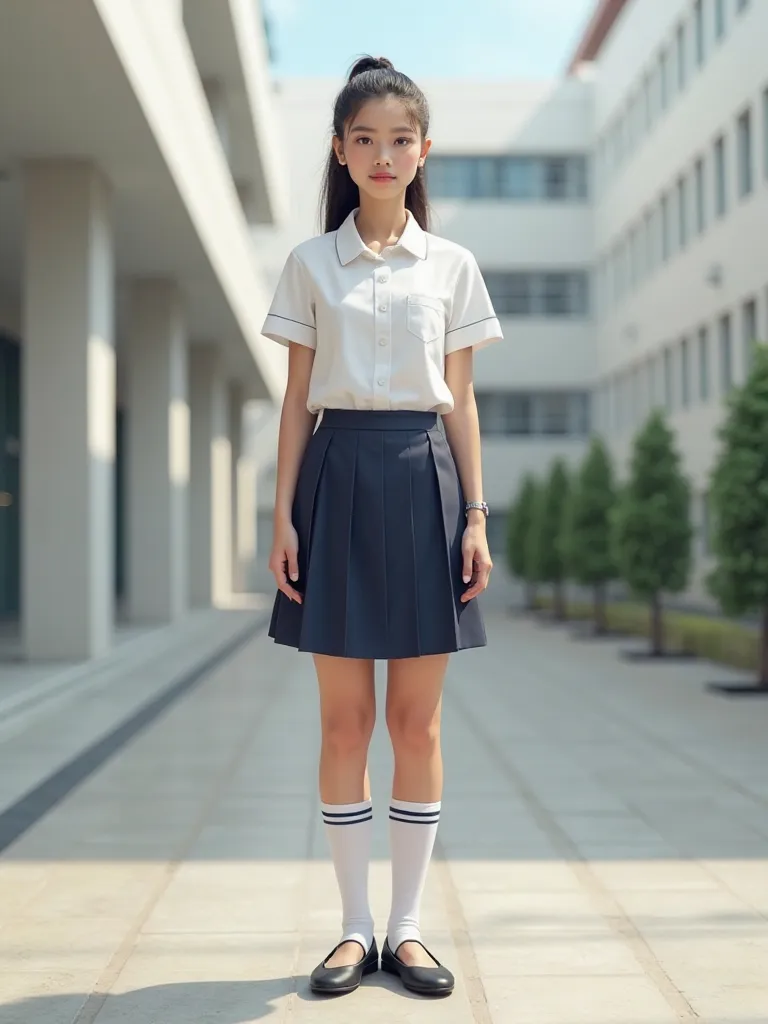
(10, 477)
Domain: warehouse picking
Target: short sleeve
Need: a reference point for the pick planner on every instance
(291, 316)
(473, 319)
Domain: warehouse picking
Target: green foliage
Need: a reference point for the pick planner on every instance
(547, 563)
(587, 547)
(519, 528)
(739, 496)
(651, 523)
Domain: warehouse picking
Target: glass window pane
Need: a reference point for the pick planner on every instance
(552, 413)
(726, 354)
(519, 178)
(745, 153)
(519, 418)
(703, 364)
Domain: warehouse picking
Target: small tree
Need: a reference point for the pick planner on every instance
(587, 536)
(518, 537)
(546, 536)
(652, 525)
(739, 501)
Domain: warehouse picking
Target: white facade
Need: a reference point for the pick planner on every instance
(677, 316)
(131, 173)
(540, 354)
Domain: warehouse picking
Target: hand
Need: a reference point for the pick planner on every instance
(283, 562)
(477, 560)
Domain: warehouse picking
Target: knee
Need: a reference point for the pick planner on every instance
(413, 734)
(348, 733)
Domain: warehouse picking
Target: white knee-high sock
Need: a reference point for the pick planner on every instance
(412, 831)
(349, 828)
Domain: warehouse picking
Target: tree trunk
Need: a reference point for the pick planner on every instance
(559, 601)
(657, 626)
(763, 681)
(601, 626)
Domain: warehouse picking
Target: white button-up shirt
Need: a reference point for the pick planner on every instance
(381, 325)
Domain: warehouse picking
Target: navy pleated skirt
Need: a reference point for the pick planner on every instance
(379, 512)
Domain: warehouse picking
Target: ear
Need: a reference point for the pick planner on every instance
(425, 148)
(338, 148)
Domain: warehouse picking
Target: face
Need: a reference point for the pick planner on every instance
(381, 148)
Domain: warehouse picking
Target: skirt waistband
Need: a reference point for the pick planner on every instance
(378, 419)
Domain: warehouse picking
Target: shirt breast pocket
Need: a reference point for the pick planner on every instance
(425, 317)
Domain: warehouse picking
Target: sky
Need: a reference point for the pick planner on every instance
(481, 39)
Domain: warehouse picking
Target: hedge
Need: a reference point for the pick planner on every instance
(720, 640)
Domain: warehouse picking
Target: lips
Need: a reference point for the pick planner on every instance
(383, 177)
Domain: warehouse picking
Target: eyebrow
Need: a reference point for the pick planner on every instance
(362, 128)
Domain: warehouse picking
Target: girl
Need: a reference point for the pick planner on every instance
(380, 546)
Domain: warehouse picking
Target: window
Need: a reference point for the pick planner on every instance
(741, 5)
(682, 212)
(698, 32)
(726, 354)
(719, 19)
(721, 191)
(663, 79)
(765, 133)
(682, 68)
(749, 333)
(744, 153)
(701, 210)
(529, 178)
(665, 233)
(529, 414)
(539, 293)
(703, 364)
(646, 258)
(647, 101)
(685, 384)
(668, 380)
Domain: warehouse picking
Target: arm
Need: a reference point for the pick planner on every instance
(462, 431)
(296, 427)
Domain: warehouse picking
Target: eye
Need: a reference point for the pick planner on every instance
(363, 138)
(406, 141)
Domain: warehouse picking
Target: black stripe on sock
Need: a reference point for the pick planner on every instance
(358, 821)
(414, 814)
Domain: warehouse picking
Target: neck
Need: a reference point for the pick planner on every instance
(381, 220)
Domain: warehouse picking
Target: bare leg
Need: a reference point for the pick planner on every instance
(347, 717)
(414, 704)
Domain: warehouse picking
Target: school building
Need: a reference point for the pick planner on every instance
(618, 214)
(136, 153)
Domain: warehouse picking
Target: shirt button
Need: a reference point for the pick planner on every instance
(383, 308)
(382, 341)
(382, 278)
(381, 381)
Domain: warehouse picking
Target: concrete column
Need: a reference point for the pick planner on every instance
(243, 496)
(210, 511)
(68, 412)
(158, 454)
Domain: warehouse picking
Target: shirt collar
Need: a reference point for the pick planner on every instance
(349, 244)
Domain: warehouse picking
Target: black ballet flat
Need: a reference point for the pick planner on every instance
(338, 981)
(426, 981)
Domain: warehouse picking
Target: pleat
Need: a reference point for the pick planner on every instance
(402, 563)
(324, 626)
(450, 502)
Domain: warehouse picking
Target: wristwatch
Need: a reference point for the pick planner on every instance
(476, 504)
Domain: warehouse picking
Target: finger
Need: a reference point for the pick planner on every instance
(466, 573)
(480, 583)
(290, 593)
(293, 567)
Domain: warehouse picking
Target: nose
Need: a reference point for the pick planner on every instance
(383, 158)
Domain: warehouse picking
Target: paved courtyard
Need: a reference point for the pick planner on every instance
(602, 856)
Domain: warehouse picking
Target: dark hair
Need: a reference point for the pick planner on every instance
(371, 78)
